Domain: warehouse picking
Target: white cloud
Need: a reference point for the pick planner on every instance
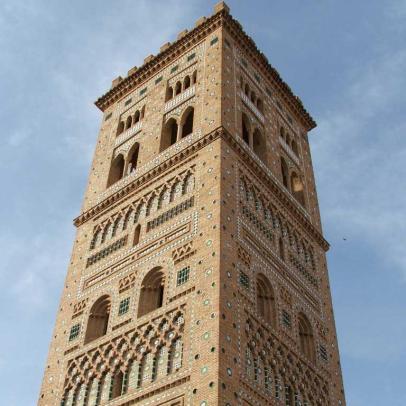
(360, 155)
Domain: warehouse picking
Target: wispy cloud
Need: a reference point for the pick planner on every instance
(360, 156)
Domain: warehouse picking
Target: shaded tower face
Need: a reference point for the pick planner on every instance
(198, 274)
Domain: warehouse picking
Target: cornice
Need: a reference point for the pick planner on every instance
(177, 48)
(159, 61)
(146, 177)
(248, 45)
(282, 195)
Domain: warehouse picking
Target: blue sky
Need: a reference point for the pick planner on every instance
(346, 60)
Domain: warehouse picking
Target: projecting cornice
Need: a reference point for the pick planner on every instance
(186, 154)
(186, 40)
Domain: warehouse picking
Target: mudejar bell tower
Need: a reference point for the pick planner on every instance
(198, 274)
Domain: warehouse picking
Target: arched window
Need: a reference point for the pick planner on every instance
(178, 88)
(98, 319)
(282, 133)
(253, 97)
(287, 138)
(116, 170)
(143, 112)
(133, 158)
(260, 106)
(247, 90)
(306, 340)
(169, 134)
(120, 127)
(245, 129)
(187, 122)
(137, 234)
(152, 291)
(295, 149)
(285, 172)
(137, 116)
(128, 122)
(296, 186)
(265, 300)
(186, 82)
(258, 144)
(117, 387)
(194, 77)
(169, 93)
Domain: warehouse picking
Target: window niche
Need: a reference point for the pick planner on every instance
(116, 170)
(169, 134)
(266, 300)
(152, 291)
(306, 339)
(187, 122)
(98, 321)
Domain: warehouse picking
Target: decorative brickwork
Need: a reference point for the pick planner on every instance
(198, 274)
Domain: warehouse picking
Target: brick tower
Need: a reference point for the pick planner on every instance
(198, 274)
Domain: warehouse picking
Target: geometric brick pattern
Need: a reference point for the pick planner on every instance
(198, 274)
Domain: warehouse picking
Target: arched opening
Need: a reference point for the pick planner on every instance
(128, 122)
(194, 77)
(247, 90)
(178, 88)
(142, 112)
(306, 340)
(281, 248)
(187, 122)
(245, 129)
(137, 234)
(186, 82)
(137, 116)
(284, 172)
(253, 97)
(259, 146)
(282, 133)
(98, 319)
(260, 105)
(241, 83)
(133, 158)
(120, 127)
(265, 299)
(152, 291)
(287, 138)
(295, 149)
(169, 134)
(117, 385)
(116, 170)
(296, 186)
(169, 93)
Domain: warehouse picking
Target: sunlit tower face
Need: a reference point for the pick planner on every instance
(198, 274)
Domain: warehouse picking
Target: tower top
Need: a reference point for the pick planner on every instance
(168, 52)
(221, 5)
